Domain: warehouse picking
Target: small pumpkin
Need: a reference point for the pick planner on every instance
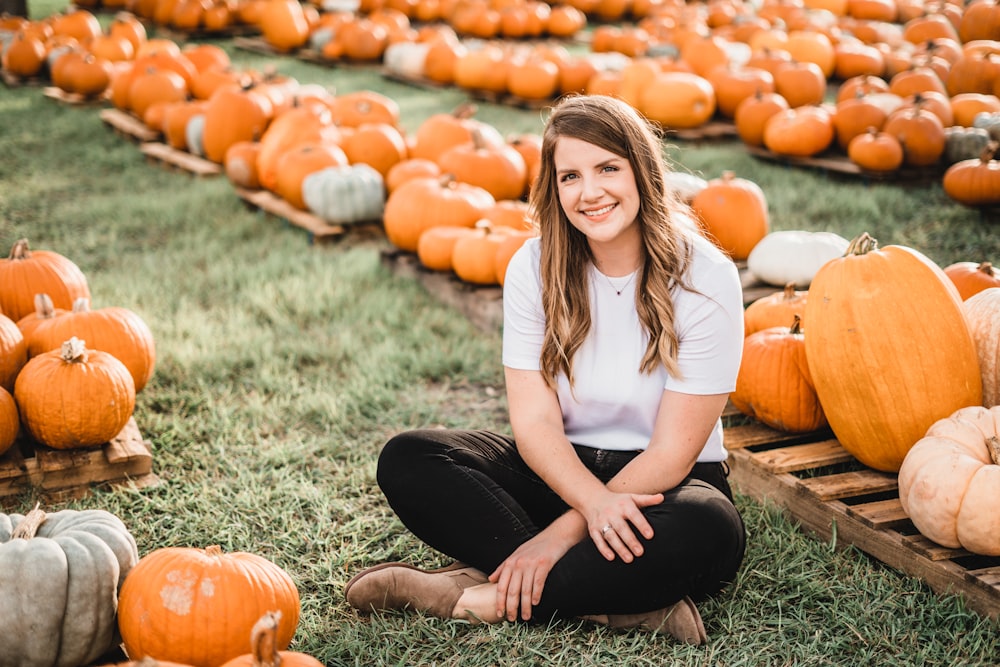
(62, 572)
(10, 422)
(26, 273)
(982, 314)
(794, 256)
(964, 143)
(264, 648)
(975, 182)
(346, 193)
(163, 614)
(949, 482)
(74, 398)
(775, 310)
(774, 385)
(972, 277)
(734, 213)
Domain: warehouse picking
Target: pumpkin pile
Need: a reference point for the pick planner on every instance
(70, 373)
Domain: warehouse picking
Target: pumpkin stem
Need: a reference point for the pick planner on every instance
(29, 526)
(81, 304)
(74, 351)
(986, 268)
(789, 293)
(20, 250)
(44, 308)
(993, 446)
(796, 325)
(465, 110)
(262, 639)
(861, 245)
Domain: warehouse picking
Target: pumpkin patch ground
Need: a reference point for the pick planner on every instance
(282, 366)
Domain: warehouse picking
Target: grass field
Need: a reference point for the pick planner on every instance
(283, 366)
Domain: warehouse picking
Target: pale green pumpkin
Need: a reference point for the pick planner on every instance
(59, 582)
(344, 194)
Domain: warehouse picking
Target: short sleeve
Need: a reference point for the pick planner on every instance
(523, 316)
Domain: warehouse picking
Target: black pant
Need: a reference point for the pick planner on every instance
(470, 495)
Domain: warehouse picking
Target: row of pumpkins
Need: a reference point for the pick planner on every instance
(77, 577)
(901, 359)
(69, 373)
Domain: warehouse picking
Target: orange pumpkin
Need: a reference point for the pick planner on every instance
(972, 277)
(422, 203)
(26, 273)
(44, 311)
(264, 647)
(10, 422)
(975, 182)
(860, 308)
(74, 397)
(240, 164)
(774, 385)
(233, 114)
(775, 310)
(113, 329)
(283, 24)
(13, 352)
(497, 168)
(436, 246)
(876, 151)
(752, 114)
(163, 613)
(295, 164)
(734, 213)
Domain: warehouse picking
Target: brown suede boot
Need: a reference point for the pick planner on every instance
(402, 586)
(681, 621)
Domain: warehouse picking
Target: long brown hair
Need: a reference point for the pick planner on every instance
(616, 127)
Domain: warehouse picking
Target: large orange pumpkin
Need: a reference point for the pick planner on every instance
(421, 203)
(13, 352)
(881, 385)
(198, 606)
(26, 273)
(10, 422)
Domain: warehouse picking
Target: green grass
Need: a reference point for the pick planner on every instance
(283, 367)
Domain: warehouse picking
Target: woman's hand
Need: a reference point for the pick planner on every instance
(613, 520)
(520, 579)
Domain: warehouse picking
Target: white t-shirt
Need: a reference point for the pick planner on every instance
(613, 404)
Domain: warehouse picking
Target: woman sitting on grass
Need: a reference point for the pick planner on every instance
(623, 332)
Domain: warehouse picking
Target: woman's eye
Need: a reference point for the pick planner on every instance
(610, 167)
(566, 177)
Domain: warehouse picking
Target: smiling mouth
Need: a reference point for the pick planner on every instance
(599, 211)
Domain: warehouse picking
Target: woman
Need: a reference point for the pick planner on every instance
(623, 332)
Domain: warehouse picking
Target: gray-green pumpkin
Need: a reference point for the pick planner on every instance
(59, 579)
(964, 143)
(344, 194)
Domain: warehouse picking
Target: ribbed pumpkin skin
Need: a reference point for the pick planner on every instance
(198, 606)
(74, 404)
(13, 352)
(10, 422)
(888, 350)
(26, 273)
(59, 589)
(113, 329)
(982, 313)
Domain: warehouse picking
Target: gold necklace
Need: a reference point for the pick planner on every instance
(619, 290)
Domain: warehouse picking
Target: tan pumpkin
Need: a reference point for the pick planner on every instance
(861, 310)
(734, 213)
(982, 314)
(26, 273)
(13, 352)
(774, 385)
(949, 482)
(163, 613)
(74, 397)
(61, 571)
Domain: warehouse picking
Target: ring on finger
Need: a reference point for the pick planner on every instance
(604, 531)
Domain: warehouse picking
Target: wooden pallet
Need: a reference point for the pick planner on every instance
(169, 156)
(14, 81)
(841, 164)
(319, 229)
(261, 46)
(57, 475)
(831, 494)
(128, 126)
(74, 99)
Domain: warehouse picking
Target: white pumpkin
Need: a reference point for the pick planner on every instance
(982, 312)
(343, 194)
(406, 58)
(685, 184)
(794, 256)
(194, 133)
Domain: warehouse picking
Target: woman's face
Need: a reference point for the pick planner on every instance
(597, 191)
